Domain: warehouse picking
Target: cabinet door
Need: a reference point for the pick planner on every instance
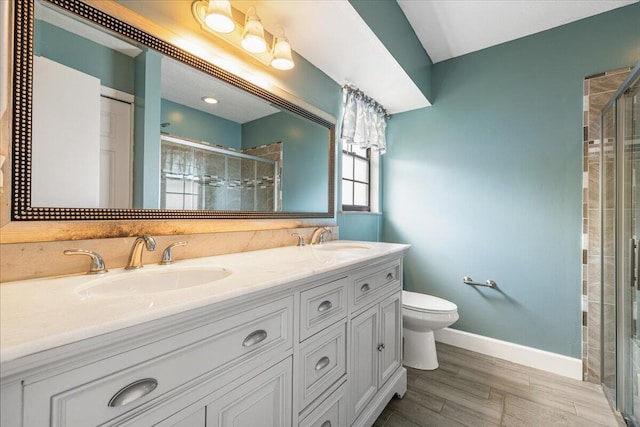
(390, 347)
(364, 360)
(264, 401)
(196, 419)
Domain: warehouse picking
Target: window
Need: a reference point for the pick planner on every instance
(356, 177)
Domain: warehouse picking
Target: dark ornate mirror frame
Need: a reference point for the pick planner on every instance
(21, 209)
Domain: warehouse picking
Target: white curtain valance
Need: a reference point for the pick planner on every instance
(364, 122)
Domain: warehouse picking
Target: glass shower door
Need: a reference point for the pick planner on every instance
(620, 207)
(629, 111)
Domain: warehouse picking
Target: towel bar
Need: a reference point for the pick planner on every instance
(469, 281)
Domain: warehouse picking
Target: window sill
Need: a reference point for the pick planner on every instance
(359, 213)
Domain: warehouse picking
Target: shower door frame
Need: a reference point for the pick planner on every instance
(627, 257)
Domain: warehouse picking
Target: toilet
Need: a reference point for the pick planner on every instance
(421, 315)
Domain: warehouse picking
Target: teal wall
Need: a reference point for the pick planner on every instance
(114, 69)
(387, 21)
(305, 156)
(488, 181)
(195, 124)
(146, 147)
(360, 226)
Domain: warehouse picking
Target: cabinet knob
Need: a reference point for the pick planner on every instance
(390, 276)
(322, 363)
(381, 347)
(326, 424)
(325, 306)
(133, 391)
(365, 287)
(254, 338)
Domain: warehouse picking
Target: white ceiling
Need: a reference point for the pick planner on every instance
(448, 28)
(331, 35)
(233, 104)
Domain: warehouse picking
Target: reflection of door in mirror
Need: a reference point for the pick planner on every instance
(115, 151)
(65, 152)
(82, 121)
(77, 132)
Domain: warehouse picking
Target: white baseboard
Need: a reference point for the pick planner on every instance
(528, 356)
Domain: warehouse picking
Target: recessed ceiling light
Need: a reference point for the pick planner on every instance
(209, 100)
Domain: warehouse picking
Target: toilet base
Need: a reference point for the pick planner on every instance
(420, 350)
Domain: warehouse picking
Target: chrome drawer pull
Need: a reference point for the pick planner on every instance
(133, 391)
(389, 276)
(325, 306)
(381, 347)
(365, 287)
(254, 338)
(326, 424)
(322, 363)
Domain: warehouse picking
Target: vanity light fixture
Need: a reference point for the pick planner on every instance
(209, 100)
(281, 51)
(253, 34)
(218, 16)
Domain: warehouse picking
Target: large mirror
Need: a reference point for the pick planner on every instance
(112, 123)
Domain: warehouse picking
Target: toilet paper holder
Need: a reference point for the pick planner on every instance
(469, 281)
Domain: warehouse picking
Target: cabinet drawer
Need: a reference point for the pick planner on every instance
(215, 347)
(322, 363)
(330, 413)
(322, 306)
(368, 285)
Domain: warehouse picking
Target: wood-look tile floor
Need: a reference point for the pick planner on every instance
(471, 389)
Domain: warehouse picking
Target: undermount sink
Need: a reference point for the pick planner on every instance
(142, 282)
(342, 246)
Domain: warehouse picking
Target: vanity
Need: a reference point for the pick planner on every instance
(300, 335)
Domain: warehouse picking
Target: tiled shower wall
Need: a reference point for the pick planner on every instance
(197, 178)
(271, 152)
(598, 89)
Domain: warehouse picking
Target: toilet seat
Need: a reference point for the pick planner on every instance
(426, 303)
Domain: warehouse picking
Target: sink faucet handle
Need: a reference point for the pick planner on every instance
(300, 238)
(167, 255)
(97, 264)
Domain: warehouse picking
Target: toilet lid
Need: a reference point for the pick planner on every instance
(427, 303)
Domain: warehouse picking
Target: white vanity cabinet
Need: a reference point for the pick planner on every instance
(143, 383)
(319, 351)
(375, 350)
(376, 338)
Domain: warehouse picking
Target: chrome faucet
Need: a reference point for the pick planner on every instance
(319, 235)
(135, 259)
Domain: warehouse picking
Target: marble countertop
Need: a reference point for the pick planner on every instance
(40, 314)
